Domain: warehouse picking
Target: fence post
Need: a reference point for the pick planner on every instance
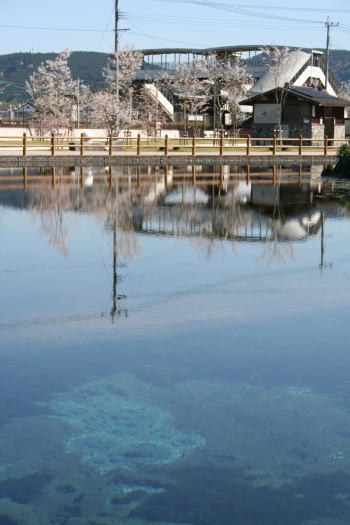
(193, 146)
(52, 144)
(82, 144)
(110, 176)
(138, 147)
(110, 144)
(274, 145)
(82, 174)
(24, 144)
(248, 145)
(221, 145)
(325, 146)
(166, 145)
(300, 146)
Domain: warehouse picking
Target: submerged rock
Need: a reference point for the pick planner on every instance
(112, 428)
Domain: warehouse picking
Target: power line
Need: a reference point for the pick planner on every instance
(55, 28)
(165, 39)
(243, 11)
(106, 30)
(274, 7)
(210, 22)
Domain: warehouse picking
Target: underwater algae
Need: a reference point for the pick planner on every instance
(114, 427)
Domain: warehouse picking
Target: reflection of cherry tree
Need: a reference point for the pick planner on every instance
(49, 209)
(207, 226)
(276, 251)
(228, 217)
(116, 209)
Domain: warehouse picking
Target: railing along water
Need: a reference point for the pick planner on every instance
(52, 145)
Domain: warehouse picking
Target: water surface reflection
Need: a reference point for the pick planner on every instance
(174, 347)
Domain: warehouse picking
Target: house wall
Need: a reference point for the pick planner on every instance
(266, 114)
(263, 130)
(317, 132)
(339, 133)
(309, 130)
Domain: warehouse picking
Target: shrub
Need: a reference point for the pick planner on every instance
(344, 150)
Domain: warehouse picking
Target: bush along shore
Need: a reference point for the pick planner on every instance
(343, 165)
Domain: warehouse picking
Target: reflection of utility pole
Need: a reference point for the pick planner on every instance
(116, 311)
(323, 265)
(328, 25)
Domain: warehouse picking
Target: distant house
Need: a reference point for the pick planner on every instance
(25, 112)
(304, 111)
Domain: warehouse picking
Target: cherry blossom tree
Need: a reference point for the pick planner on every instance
(55, 94)
(114, 107)
(191, 89)
(345, 89)
(277, 59)
(108, 112)
(151, 113)
(230, 81)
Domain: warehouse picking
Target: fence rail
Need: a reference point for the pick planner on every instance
(109, 145)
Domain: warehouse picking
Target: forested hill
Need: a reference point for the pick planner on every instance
(88, 65)
(17, 67)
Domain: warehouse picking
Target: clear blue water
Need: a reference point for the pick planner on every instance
(198, 376)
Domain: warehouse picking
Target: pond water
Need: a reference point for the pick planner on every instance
(174, 347)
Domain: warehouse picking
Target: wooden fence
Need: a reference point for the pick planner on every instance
(109, 145)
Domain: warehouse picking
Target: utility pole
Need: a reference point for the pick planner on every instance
(116, 39)
(116, 46)
(328, 25)
(116, 49)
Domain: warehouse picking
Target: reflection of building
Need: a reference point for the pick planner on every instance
(262, 212)
(289, 208)
(247, 209)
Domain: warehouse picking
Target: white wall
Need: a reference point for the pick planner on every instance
(18, 132)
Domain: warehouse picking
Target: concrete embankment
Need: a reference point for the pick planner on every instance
(14, 161)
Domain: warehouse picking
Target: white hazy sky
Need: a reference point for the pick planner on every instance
(88, 24)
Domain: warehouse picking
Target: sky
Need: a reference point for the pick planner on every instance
(86, 25)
